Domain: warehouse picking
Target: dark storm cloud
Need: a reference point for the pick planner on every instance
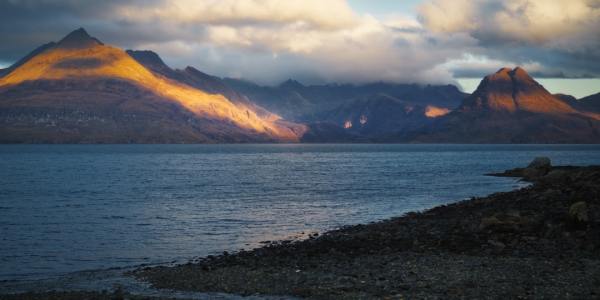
(25, 25)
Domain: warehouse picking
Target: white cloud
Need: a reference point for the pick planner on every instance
(270, 40)
(325, 40)
(332, 14)
(470, 65)
(570, 25)
(559, 35)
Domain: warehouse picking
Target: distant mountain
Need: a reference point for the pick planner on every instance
(368, 112)
(570, 100)
(82, 91)
(297, 102)
(591, 103)
(380, 116)
(511, 107)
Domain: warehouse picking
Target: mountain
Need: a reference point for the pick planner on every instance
(193, 77)
(33, 53)
(80, 90)
(591, 103)
(375, 112)
(380, 117)
(297, 102)
(511, 107)
(570, 100)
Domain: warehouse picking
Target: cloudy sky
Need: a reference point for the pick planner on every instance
(315, 41)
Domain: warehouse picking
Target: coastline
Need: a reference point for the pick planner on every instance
(526, 243)
(532, 242)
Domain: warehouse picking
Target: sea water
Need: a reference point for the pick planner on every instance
(68, 208)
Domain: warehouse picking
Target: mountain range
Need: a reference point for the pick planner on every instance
(79, 90)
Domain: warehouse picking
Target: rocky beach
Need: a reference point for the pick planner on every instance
(540, 241)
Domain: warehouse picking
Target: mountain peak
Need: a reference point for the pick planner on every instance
(78, 39)
(501, 76)
(503, 71)
(520, 75)
(291, 84)
(514, 90)
(147, 58)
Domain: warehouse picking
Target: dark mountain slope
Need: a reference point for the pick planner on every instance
(591, 103)
(295, 101)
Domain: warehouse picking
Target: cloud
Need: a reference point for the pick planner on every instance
(263, 40)
(473, 66)
(311, 39)
(312, 13)
(315, 41)
(563, 34)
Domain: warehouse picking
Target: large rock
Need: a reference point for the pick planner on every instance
(539, 167)
(578, 212)
(540, 163)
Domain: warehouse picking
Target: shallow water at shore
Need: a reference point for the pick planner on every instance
(68, 208)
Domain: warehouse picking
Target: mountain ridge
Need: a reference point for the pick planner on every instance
(79, 90)
(79, 57)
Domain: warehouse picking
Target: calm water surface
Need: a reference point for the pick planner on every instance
(66, 208)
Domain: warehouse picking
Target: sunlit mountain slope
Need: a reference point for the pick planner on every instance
(78, 59)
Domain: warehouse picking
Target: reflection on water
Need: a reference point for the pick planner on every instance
(68, 208)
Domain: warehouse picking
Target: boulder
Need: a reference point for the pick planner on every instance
(539, 167)
(541, 162)
(578, 212)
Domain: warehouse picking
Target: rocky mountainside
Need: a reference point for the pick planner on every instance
(82, 91)
(308, 104)
(380, 117)
(376, 112)
(511, 107)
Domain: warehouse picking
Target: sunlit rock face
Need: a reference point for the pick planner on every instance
(514, 90)
(79, 72)
(363, 120)
(509, 106)
(381, 117)
(435, 112)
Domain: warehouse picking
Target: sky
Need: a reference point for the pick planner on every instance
(316, 41)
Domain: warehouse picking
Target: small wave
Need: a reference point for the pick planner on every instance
(114, 217)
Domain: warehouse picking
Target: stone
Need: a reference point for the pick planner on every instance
(541, 162)
(489, 222)
(497, 244)
(578, 212)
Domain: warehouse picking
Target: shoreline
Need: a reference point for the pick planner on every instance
(527, 243)
(505, 245)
